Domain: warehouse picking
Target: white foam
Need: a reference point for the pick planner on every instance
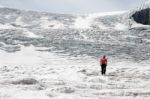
(25, 57)
(85, 22)
(54, 24)
(106, 14)
(30, 34)
(20, 22)
(61, 72)
(6, 26)
(121, 27)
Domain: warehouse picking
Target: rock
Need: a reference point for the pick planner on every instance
(142, 16)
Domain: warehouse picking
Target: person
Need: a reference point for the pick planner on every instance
(103, 63)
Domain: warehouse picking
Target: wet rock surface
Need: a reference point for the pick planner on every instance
(142, 16)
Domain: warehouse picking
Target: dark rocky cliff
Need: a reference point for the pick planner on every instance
(142, 16)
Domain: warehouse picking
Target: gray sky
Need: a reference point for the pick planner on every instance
(72, 6)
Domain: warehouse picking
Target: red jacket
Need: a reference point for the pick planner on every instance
(103, 61)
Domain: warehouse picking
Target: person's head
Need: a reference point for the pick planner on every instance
(104, 56)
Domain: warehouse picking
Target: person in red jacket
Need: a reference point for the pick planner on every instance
(103, 63)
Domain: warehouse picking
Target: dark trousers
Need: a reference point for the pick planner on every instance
(103, 69)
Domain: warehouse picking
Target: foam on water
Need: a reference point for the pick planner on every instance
(56, 76)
